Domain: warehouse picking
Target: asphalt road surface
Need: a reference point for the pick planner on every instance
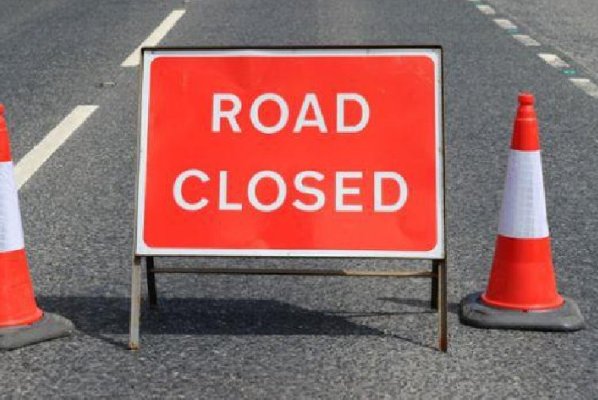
(288, 337)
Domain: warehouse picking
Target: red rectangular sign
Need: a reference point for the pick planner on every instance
(296, 152)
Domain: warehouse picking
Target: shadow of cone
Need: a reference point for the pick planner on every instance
(21, 321)
(521, 292)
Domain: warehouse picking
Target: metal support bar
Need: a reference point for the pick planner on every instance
(442, 307)
(151, 283)
(135, 304)
(302, 272)
(437, 274)
(434, 285)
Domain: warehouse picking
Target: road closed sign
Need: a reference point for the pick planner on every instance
(291, 152)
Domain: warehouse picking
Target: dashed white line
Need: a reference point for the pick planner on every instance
(526, 40)
(589, 87)
(154, 38)
(37, 156)
(505, 24)
(486, 9)
(553, 60)
(586, 85)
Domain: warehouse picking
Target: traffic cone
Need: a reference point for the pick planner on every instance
(21, 321)
(521, 292)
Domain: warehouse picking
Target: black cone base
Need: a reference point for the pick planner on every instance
(566, 318)
(50, 326)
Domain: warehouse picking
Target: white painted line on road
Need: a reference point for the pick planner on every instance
(505, 24)
(553, 60)
(586, 85)
(37, 156)
(589, 87)
(154, 38)
(485, 9)
(526, 40)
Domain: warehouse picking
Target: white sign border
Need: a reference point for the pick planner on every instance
(150, 54)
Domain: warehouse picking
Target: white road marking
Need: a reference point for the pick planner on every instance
(553, 60)
(586, 85)
(37, 156)
(505, 23)
(589, 87)
(485, 9)
(154, 38)
(526, 40)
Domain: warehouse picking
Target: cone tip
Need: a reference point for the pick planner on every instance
(4, 141)
(526, 99)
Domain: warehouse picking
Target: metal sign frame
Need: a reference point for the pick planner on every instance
(437, 273)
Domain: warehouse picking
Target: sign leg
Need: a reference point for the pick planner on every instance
(442, 307)
(434, 284)
(135, 304)
(151, 283)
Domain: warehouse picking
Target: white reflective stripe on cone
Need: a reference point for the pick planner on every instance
(523, 212)
(11, 229)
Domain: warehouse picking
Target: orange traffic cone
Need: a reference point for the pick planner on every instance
(21, 321)
(521, 292)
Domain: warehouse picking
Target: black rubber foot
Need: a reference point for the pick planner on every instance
(50, 326)
(474, 312)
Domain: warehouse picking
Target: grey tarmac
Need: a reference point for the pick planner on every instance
(240, 337)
